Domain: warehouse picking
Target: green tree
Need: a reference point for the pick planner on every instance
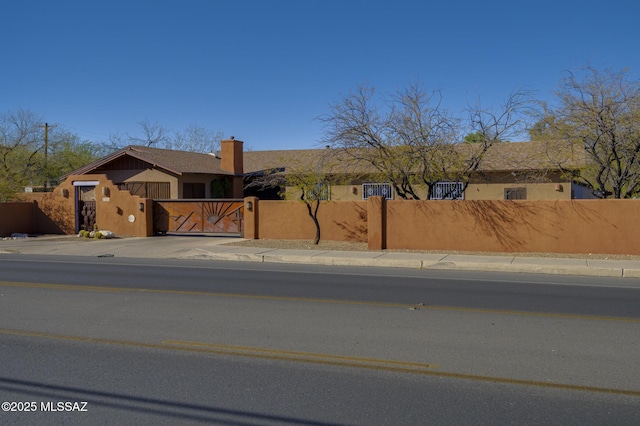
(21, 152)
(598, 111)
(25, 158)
(68, 153)
(475, 137)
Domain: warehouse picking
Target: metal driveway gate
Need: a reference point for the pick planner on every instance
(219, 216)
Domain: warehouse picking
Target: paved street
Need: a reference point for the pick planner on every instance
(162, 341)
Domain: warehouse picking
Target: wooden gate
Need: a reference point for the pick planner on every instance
(215, 216)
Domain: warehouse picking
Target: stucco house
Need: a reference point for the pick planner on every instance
(516, 170)
(168, 174)
(142, 191)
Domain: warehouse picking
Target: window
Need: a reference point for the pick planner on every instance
(448, 191)
(377, 190)
(322, 191)
(155, 190)
(193, 190)
(515, 193)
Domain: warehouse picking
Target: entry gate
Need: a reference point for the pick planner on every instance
(219, 216)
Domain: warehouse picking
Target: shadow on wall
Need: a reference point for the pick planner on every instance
(52, 217)
(505, 220)
(355, 231)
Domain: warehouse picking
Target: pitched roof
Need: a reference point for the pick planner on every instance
(177, 162)
(505, 156)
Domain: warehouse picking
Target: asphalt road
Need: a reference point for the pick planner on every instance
(163, 342)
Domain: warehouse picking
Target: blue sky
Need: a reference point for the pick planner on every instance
(265, 70)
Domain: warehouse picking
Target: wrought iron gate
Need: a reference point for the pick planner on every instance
(87, 215)
(217, 216)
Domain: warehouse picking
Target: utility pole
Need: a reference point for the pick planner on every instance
(46, 149)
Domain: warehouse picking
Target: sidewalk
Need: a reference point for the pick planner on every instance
(219, 248)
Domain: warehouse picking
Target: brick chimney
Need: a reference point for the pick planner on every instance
(231, 153)
(232, 161)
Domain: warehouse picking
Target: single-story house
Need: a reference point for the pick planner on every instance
(168, 174)
(510, 170)
(515, 170)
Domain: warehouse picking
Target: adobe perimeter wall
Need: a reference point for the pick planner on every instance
(560, 226)
(116, 210)
(563, 226)
(289, 220)
(17, 217)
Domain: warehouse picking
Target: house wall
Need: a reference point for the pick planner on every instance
(176, 182)
(557, 226)
(475, 191)
(148, 175)
(194, 178)
(535, 191)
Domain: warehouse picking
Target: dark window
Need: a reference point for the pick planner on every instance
(193, 190)
(154, 190)
(515, 193)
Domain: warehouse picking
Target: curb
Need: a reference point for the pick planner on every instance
(612, 272)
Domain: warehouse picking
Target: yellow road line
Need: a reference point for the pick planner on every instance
(314, 300)
(296, 354)
(322, 359)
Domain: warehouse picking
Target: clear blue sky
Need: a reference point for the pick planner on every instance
(264, 70)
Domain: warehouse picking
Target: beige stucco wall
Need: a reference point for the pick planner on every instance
(194, 178)
(475, 191)
(535, 191)
(148, 175)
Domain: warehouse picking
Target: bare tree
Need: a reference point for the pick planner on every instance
(196, 139)
(413, 141)
(599, 113)
(153, 134)
(193, 138)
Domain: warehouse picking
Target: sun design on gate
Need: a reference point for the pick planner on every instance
(202, 216)
(223, 216)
